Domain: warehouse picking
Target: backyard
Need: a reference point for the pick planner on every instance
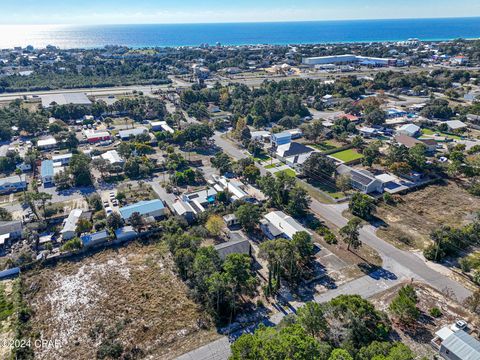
(347, 156)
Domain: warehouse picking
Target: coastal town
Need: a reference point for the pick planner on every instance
(213, 202)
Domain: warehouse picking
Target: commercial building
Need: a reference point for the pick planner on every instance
(94, 136)
(70, 224)
(65, 99)
(13, 184)
(349, 59)
(47, 143)
(127, 134)
(154, 208)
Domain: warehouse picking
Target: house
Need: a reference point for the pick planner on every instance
(296, 133)
(113, 157)
(212, 108)
(349, 117)
(10, 230)
(230, 220)
(261, 135)
(13, 184)
(184, 209)
(456, 125)
(94, 239)
(62, 159)
(408, 129)
(238, 245)
(199, 200)
(410, 142)
(95, 136)
(368, 132)
(278, 224)
(47, 172)
(9, 273)
(231, 186)
(65, 99)
(47, 143)
(393, 113)
(127, 134)
(69, 229)
(125, 233)
(161, 126)
(24, 167)
(361, 180)
(154, 208)
(281, 139)
(292, 149)
(460, 346)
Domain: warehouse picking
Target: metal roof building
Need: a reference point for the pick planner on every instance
(64, 99)
(148, 207)
(460, 346)
(125, 134)
(47, 169)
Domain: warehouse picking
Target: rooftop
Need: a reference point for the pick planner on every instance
(463, 345)
(142, 207)
(64, 99)
(47, 168)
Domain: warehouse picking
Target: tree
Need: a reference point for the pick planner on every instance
(340, 354)
(298, 202)
(371, 154)
(319, 167)
(375, 117)
(136, 220)
(80, 169)
(404, 306)
(214, 225)
(222, 162)
(343, 182)
(5, 215)
(102, 165)
(251, 173)
(114, 221)
(302, 241)
(311, 318)
(290, 342)
(83, 226)
(42, 197)
(361, 205)
(248, 215)
(350, 233)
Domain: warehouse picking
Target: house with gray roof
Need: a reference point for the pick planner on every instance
(365, 182)
(238, 244)
(13, 184)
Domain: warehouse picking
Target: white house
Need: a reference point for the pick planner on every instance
(278, 224)
(70, 224)
(47, 143)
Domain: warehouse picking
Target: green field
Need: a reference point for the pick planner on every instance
(325, 145)
(347, 155)
(288, 172)
(431, 132)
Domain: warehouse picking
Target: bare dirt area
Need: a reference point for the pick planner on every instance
(410, 222)
(418, 337)
(123, 302)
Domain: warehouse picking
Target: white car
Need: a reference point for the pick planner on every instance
(108, 210)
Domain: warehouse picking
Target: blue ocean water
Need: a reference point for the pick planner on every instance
(239, 33)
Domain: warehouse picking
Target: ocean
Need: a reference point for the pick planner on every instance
(279, 33)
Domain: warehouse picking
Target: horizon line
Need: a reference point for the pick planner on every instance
(248, 22)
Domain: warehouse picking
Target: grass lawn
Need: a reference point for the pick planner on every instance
(272, 166)
(325, 145)
(431, 132)
(347, 155)
(288, 172)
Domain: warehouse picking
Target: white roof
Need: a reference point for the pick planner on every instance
(456, 124)
(70, 223)
(288, 225)
(444, 333)
(47, 142)
(232, 188)
(409, 128)
(95, 134)
(112, 157)
(385, 178)
(64, 99)
(163, 125)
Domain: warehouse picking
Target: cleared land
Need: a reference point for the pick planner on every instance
(347, 155)
(410, 222)
(125, 301)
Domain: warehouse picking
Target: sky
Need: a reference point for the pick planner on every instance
(78, 12)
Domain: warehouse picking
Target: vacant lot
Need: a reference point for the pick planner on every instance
(347, 155)
(126, 301)
(410, 222)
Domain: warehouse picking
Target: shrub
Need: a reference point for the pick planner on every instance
(435, 312)
(330, 238)
(72, 245)
(433, 254)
